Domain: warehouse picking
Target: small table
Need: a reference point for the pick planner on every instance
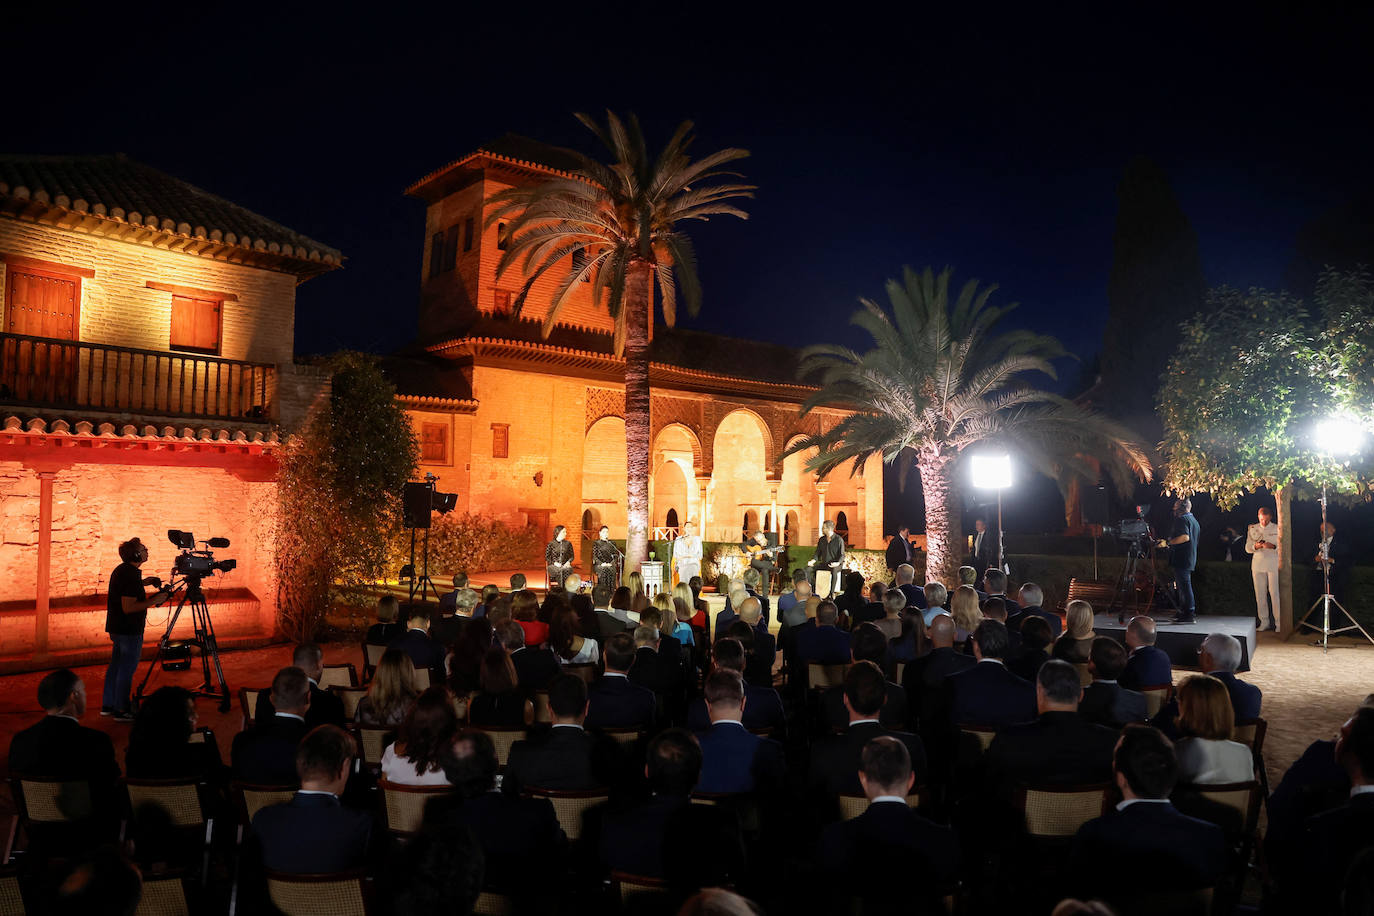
(652, 571)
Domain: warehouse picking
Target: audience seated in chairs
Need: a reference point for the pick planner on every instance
(835, 759)
(535, 668)
(874, 609)
(1334, 839)
(824, 644)
(387, 626)
(609, 620)
(924, 678)
(762, 706)
(967, 614)
(562, 755)
(1035, 642)
(1031, 598)
(1075, 646)
(391, 693)
(325, 708)
(1146, 666)
(668, 645)
(425, 654)
(995, 583)
(1183, 853)
(613, 701)
(501, 703)
(996, 609)
(414, 758)
(1105, 701)
(937, 601)
(890, 620)
(906, 584)
(314, 833)
(866, 644)
(440, 874)
(988, 694)
(160, 744)
(453, 615)
(656, 671)
(791, 605)
(266, 754)
(1206, 753)
(465, 664)
(1219, 657)
(735, 761)
(917, 859)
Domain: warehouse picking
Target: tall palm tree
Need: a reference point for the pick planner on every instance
(617, 224)
(939, 382)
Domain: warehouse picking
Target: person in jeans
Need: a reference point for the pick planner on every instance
(1182, 544)
(126, 612)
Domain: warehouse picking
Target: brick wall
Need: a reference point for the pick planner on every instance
(298, 388)
(117, 307)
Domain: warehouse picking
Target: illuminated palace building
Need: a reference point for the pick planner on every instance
(532, 430)
(146, 365)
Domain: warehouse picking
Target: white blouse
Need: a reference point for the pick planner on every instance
(401, 770)
(1203, 761)
(586, 655)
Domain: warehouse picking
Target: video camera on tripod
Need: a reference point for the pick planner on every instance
(1133, 532)
(198, 564)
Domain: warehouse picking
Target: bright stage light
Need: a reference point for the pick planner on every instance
(991, 472)
(1338, 435)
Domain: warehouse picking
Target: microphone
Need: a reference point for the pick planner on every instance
(218, 542)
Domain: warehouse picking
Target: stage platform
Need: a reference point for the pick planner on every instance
(1181, 641)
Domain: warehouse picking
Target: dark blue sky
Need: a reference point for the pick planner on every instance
(989, 143)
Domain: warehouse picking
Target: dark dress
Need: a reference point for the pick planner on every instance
(604, 557)
(557, 552)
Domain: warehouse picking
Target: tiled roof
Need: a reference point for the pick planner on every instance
(512, 149)
(12, 424)
(117, 189)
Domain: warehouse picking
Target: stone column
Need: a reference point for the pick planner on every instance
(703, 515)
(41, 590)
(821, 487)
(773, 510)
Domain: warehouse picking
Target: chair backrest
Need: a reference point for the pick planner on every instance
(421, 678)
(899, 670)
(251, 798)
(248, 703)
(851, 806)
(350, 697)
(372, 742)
(11, 895)
(1155, 698)
(405, 805)
(623, 736)
(1251, 732)
(638, 886)
(585, 671)
(503, 739)
(180, 800)
(1085, 677)
(372, 654)
(342, 675)
(490, 903)
(1244, 797)
(1058, 811)
(52, 801)
(821, 676)
(982, 734)
(341, 894)
(543, 712)
(570, 805)
(163, 896)
(201, 736)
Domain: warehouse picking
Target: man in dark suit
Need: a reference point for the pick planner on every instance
(924, 678)
(972, 578)
(266, 755)
(659, 673)
(995, 585)
(906, 581)
(873, 609)
(1184, 853)
(826, 644)
(512, 831)
(1059, 747)
(762, 705)
(1105, 701)
(58, 746)
(536, 668)
(733, 759)
(862, 855)
(765, 644)
(1337, 551)
(1334, 838)
(835, 760)
(792, 605)
(613, 701)
(867, 644)
(1146, 666)
(1031, 597)
(899, 551)
(988, 694)
(608, 624)
(1220, 657)
(448, 625)
(664, 836)
(755, 584)
(313, 833)
(325, 708)
(424, 652)
(996, 609)
(562, 755)
(1035, 642)
(669, 646)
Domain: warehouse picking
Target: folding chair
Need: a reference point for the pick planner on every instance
(852, 805)
(54, 813)
(163, 895)
(1251, 732)
(372, 657)
(11, 893)
(503, 739)
(1056, 812)
(341, 675)
(543, 712)
(1243, 798)
(372, 742)
(179, 806)
(570, 805)
(404, 806)
(350, 697)
(248, 702)
(818, 676)
(625, 737)
(250, 798)
(1155, 698)
(491, 903)
(346, 893)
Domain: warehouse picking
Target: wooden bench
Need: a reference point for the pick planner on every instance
(1098, 594)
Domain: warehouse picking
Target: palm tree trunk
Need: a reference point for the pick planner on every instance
(638, 300)
(944, 520)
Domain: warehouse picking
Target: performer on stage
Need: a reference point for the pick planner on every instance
(605, 557)
(828, 561)
(558, 557)
(687, 553)
(1182, 542)
(760, 558)
(1262, 543)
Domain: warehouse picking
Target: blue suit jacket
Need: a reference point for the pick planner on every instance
(312, 834)
(1245, 698)
(762, 709)
(989, 694)
(735, 760)
(423, 651)
(915, 595)
(823, 645)
(615, 702)
(1147, 666)
(1185, 853)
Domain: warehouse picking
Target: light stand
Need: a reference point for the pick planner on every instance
(993, 472)
(1327, 599)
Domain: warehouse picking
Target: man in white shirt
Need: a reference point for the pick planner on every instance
(1262, 543)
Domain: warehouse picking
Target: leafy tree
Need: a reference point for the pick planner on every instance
(619, 224)
(939, 382)
(1250, 379)
(339, 492)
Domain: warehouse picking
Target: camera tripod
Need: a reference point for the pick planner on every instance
(1127, 588)
(1327, 600)
(204, 639)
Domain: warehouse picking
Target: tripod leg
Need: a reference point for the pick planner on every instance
(211, 646)
(157, 656)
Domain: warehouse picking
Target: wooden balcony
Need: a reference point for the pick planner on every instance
(77, 375)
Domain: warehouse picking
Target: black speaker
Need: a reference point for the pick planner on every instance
(1094, 504)
(416, 503)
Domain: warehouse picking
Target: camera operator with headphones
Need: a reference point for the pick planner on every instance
(126, 613)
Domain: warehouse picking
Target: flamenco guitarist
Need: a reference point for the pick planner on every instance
(761, 558)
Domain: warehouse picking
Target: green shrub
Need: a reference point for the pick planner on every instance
(474, 543)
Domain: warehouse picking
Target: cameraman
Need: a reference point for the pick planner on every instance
(126, 612)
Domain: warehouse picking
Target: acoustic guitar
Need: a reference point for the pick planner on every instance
(755, 551)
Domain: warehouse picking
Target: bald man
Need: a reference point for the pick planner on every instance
(923, 677)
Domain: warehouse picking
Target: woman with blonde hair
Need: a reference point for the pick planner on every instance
(1075, 646)
(1206, 719)
(963, 607)
(392, 691)
(682, 614)
(638, 599)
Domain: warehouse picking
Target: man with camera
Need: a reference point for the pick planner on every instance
(126, 613)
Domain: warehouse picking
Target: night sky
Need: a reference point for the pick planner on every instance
(987, 140)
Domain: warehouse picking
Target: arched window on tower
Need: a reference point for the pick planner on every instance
(671, 519)
(842, 527)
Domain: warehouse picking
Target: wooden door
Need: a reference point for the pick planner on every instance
(44, 304)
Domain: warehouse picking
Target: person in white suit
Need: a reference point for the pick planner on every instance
(687, 553)
(1262, 543)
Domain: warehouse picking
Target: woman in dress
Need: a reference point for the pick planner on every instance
(687, 553)
(569, 646)
(605, 559)
(392, 691)
(558, 557)
(429, 727)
